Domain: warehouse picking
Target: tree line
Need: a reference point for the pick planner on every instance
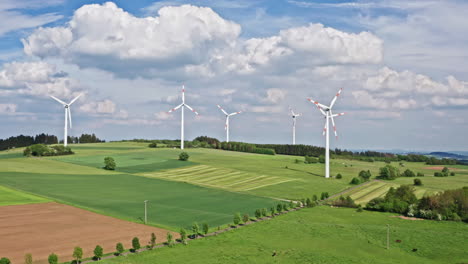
(24, 141)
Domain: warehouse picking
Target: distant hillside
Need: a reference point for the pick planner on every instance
(448, 155)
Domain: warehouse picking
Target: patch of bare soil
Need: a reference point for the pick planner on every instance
(407, 218)
(42, 229)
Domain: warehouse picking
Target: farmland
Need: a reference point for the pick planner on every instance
(13, 197)
(323, 235)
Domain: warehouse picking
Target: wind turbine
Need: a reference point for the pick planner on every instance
(327, 112)
(67, 115)
(294, 116)
(183, 105)
(226, 127)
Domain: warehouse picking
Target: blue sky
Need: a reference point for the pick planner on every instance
(402, 65)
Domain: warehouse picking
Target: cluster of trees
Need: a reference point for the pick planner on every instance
(245, 147)
(363, 176)
(39, 150)
(444, 173)
(24, 141)
(449, 205)
(84, 138)
(345, 202)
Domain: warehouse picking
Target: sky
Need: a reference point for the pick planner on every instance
(402, 66)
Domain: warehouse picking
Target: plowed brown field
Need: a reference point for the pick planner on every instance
(42, 229)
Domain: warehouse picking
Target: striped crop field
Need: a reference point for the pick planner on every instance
(222, 178)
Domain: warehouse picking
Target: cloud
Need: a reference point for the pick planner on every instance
(193, 41)
(36, 78)
(275, 95)
(100, 107)
(7, 108)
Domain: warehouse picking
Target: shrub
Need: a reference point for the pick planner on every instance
(184, 156)
(136, 244)
(109, 163)
(310, 160)
(153, 145)
(339, 176)
(324, 196)
(308, 202)
(119, 248)
(272, 211)
(420, 174)
(388, 173)
(237, 219)
(445, 170)
(279, 208)
(53, 259)
(417, 182)
(245, 218)
(452, 173)
(206, 228)
(344, 202)
(258, 213)
(408, 173)
(28, 259)
(43, 150)
(98, 252)
(292, 205)
(314, 197)
(5, 261)
(78, 254)
(183, 234)
(264, 212)
(195, 229)
(321, 159)
(265, 151)
(355, 181)
(169, 238)
(152, 242)
(440, 174)
(365, 175)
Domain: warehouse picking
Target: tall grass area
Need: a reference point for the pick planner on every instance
(322, 235)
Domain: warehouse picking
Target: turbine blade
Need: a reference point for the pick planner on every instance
(325, 127)
(323, 112)
(227, 123)
(183, 94)
(58, 100)
(292, 112)
(222, 110)
(235, 113)
(336, 97)
(340, 114)
(192, 109)
(319, 105)
(76, 98)
(69, 116)
(334, 127)
(175, 108)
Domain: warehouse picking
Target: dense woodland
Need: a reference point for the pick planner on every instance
(24, 141)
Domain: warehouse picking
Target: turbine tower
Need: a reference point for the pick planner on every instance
(294, 116)
(327, 112)
(183, 105)
(67, 116)
(226, 127)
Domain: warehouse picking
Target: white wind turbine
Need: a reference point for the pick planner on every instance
(294, 116)
(183, 105)
(67, 116)
(226, 127)
(327, 112)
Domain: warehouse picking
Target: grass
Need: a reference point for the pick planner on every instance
(322, 235)
(10, 196)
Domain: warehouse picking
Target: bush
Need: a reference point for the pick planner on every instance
(308, 202)
(355, 181)
(324, 196)
(264, 212)
(258, 213)
(310, 160)
(314, 197)
(344, 202)
(205, 228)
(420, 174)
(285, 207)
(136, 244)
(388, 173)
(365, 175)
(321, 159)
(153, 145)
(53, 259)
(152, 242)
(5, 261)
(184, 156)
(339, 176)
(195, 229)
(452, 174)
(440, 174)
(169, 238)
(28, 259)
(109, 163)
(408, 173)
(237, 219)
(98, 252)
(183, 234)
(279, 208)
(272, 210)
(417, 182)
(39, 150)
(119, 248)
(245, 218)
(78, 254)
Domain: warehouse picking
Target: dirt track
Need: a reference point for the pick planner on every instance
(42, 229)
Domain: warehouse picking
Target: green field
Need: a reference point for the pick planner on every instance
(10, 196)
(322, 235)
(211, 187)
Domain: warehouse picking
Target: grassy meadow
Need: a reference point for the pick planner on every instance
(10, 196)
(322, 235)
(211, 187)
